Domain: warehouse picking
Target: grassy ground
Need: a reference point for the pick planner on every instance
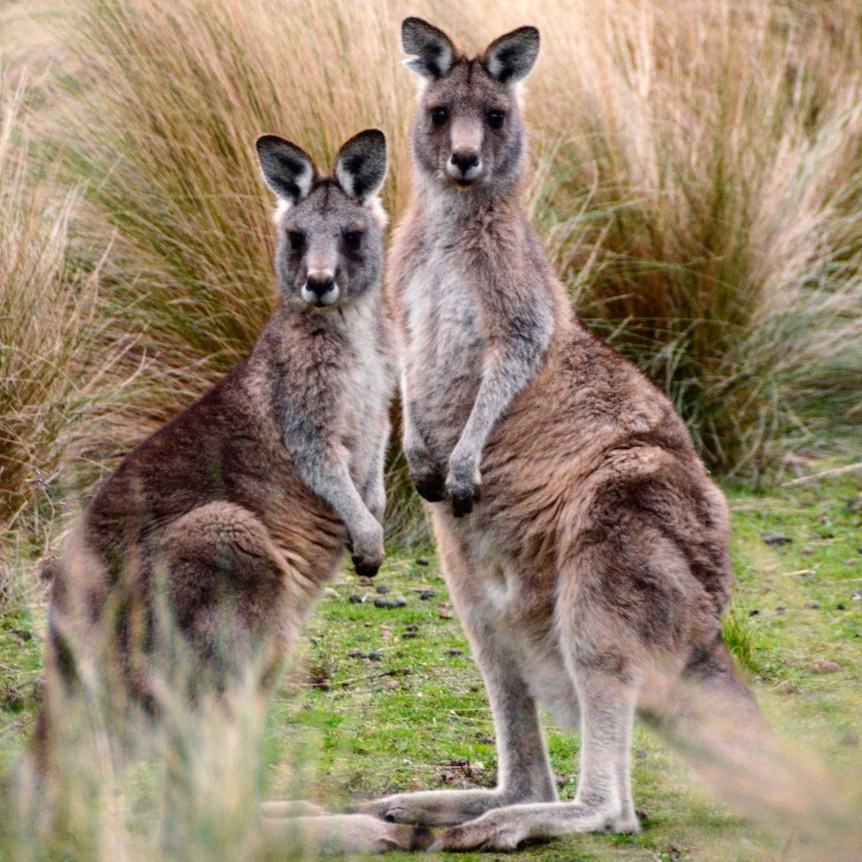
(384, 696)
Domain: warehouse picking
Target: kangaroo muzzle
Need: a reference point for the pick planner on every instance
(320, 288)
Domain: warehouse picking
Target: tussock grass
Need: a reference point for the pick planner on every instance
(50, 374)
(699, 184)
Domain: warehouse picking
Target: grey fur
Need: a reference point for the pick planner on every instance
(592, 571)
(234, 515)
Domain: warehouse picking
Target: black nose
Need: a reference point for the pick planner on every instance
(320, 285)
(465, 159)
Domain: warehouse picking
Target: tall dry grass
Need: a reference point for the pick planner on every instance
(51, 380)
(695, 176)
(700, 185)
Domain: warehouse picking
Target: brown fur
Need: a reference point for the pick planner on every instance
(584, 544)
(198, 559)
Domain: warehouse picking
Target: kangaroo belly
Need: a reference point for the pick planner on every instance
(515, 601)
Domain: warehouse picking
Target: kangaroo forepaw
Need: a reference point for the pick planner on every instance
(463, 500)
(365, 568)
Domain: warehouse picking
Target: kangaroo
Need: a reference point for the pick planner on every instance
(583, 542)
(236, 513)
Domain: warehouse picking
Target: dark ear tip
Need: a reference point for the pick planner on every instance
(411, 22)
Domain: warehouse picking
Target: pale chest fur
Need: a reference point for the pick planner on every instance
(443, 345)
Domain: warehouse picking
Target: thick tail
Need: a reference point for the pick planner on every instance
(713, 722)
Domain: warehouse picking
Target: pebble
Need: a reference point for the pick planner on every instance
(422, 561)
(357, 653)
(366, 582)
(375, 655)
(775, 539)
(382, 589)
(396, 602)
(426, 594)
(356, 599)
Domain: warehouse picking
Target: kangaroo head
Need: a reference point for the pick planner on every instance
(468, 132)
(329, 227)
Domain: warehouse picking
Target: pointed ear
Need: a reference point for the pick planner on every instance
(287, 169)
(434, 52)
(360, 166)
(510, 58)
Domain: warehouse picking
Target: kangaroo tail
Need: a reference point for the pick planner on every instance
(713, 722)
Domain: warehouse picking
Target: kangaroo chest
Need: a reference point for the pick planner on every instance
(444, 347)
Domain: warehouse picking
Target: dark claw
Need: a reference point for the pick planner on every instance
(363, 569)
(433, 490)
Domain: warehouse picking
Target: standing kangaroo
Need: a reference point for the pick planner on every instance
(231, 518)
(585, 547)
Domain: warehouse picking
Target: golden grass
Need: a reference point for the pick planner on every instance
(696, 175)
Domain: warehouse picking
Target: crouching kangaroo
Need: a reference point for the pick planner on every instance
(231, 518)
(585, 547)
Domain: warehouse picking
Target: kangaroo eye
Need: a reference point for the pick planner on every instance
(296, 240)
(353, 240)
(495, 118)
(439, 116)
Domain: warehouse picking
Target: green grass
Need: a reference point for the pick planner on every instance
(382, 699)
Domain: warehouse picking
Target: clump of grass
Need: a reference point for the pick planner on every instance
(48, 324)
(699, 185)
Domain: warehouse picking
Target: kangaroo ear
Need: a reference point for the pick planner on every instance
(287, 169)
(510, 58)
(435, 53)
(360, 166)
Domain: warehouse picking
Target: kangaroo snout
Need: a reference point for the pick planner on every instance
(464, 166)
(320, 288)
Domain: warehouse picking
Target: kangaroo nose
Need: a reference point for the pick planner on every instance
(465, 160)
(320, 288)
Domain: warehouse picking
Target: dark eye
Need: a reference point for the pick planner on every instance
(296, 240)
(353, 240)
(439, 116)
(495, 118)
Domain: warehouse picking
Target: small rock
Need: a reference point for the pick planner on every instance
(422, 561)
(454, 652)
(410, 635)
(397, 602)
(356, 599)
(825, 666)
(375, 655)
(806, 549)
(382, 589)
(366, 582)
(753, 612)
(840, 607)
(775, 539)
(357, 653)
(425, 595)
(444, 610)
